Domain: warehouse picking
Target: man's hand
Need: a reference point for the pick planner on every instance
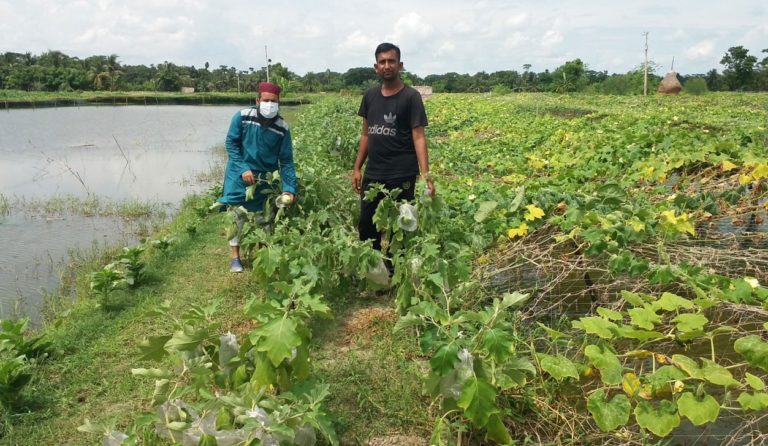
(248, 177)
(431, 191)
(356, 180)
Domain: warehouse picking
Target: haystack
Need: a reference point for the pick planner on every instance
(670, 84)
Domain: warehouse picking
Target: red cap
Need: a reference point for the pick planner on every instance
(268, 87)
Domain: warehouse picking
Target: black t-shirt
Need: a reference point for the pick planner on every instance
(391, 153)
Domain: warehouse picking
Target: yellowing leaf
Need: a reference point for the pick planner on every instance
(470, 182)
(669, 217)
(630, 384)
(646, 392)
(636, 224)
(727, 165)
(745, 179)
(761, 171)
(534, 212)
(648, 172)
(518, 231)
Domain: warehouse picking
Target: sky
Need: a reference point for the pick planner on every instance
(435, 36)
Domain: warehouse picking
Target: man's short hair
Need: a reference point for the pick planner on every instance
(384, 47)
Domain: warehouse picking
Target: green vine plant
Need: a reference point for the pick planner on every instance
(630, 378)
(221, 392)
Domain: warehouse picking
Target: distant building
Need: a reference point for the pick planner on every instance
(187, 89)
(424, 90)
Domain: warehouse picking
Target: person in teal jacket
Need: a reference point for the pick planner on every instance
(258, 142)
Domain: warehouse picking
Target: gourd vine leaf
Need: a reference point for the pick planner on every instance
(644, 317)
(688, 365)
(671, 302)
(478, 399)
(610, 314)
(559, 367)
(607, 362)
(756, 401)
(596, 325)
(690, 322)
(660, 420)
(754, 381)
(754, 349)
(699, 412)
(608, 414)
(717, 374)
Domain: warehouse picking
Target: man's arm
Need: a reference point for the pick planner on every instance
(362, 154)
(287, 169)
(234, 145)
(420, 143)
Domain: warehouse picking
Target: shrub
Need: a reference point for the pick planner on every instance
(696, 86)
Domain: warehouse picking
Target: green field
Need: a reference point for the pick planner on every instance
(592, 271)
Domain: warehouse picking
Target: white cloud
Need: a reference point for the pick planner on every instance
(516, 40)
(357, 41)
(551, 38)
(517, 20)
(446, 48)
(701, 50)
(410, 27)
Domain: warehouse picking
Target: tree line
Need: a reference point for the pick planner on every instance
(55, 71)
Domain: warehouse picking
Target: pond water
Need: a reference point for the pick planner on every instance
(153, 155)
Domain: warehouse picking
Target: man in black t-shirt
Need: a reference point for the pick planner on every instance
(392, 141)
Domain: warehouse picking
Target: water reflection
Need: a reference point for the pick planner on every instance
(139, 153)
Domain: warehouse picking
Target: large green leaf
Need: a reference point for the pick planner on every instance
(598, 326)
(699, 412)
(514, 373)
(754, 349)
(187, 339)
(496, 431)
(629, 332)
(478, 399)
(498, 343)
(754, 381)
(445, 358)
(644, 317)
(513, 299)
(634, 299)
(717, 374)
(441, 433)
(153, 348)
(559, 367)
(688, 322)
(609, 314)
(757, 401)
(277, 338)
(688, 365)
(671, 302)
(663, 379)
(660, 420)
(607, 362)
(152, 373)
(608, 414)
(484, 210)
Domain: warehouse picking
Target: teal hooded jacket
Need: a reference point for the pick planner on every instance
(262, 146)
